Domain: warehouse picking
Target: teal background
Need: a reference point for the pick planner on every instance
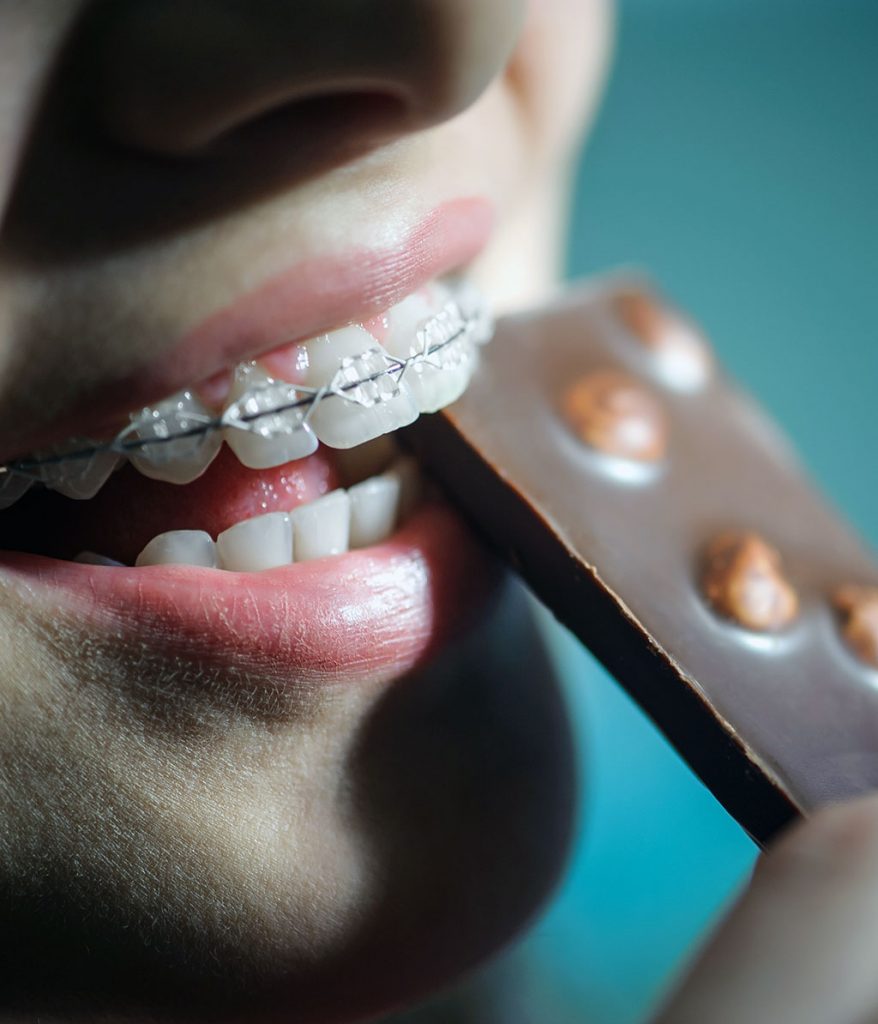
(736, 157)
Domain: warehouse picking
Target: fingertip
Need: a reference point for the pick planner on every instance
(838, 838)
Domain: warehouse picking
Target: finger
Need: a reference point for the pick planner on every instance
(801, 946)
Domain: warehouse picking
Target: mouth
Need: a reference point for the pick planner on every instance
(267, 510)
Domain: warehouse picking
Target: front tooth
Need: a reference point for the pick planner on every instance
(12, 487)
(352, 413)
(93, 558)
(441, 355)
(180, 461)
(180, 547)
(406, 318)
(374, 508)
(475, 310)
(78, 478)
(264, 542)
(322, 527)
(261, 442)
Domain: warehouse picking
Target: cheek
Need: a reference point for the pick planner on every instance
(31, 35)
(559, 67)
(460, 791)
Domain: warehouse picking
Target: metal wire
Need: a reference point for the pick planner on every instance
(395, 368)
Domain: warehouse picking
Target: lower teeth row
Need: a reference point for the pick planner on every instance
(362, 515)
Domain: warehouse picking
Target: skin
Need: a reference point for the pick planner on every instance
(180, 840)
(181, 843)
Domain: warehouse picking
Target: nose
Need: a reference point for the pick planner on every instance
(175, 77)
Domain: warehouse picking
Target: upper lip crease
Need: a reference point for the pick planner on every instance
(308, 299)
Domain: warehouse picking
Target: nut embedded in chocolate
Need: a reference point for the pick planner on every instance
(613, 413)
(858, 607)
(681, 356)
(743, 581)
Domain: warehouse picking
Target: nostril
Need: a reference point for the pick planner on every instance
(326, 127)
(173, 77)
(167, 113)
(352, 113)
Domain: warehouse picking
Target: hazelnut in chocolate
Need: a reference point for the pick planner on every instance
(615, 414)
(743, 581)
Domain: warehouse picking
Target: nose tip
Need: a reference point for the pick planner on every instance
(175, 76)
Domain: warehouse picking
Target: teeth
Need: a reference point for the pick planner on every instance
(374, 508)
(271, 440)
(264, 542)
(78, 478)
(93, 558)
(364, 515)
(180, 461)
(179, 547)
(322, 527)
(350, 415)
(405, 320)
(12, 487)
(476, 311)
(348, 390)
(439, 378)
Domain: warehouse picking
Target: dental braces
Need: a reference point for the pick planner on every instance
(449, 326)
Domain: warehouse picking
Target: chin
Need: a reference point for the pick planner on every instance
(328, 863)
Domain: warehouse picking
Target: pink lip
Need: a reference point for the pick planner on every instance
(322, 294)
(306, 299)
(367, 615)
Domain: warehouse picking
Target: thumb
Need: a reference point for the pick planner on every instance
(801, 946)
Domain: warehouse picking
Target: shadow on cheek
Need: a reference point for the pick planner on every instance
(463, 791)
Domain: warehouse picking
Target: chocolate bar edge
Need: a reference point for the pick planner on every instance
(582, 603)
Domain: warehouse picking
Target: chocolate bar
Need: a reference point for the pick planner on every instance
(664, 518)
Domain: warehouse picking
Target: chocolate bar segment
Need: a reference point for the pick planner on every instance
(662, 516)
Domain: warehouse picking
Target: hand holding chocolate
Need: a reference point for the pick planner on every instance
(662, 516)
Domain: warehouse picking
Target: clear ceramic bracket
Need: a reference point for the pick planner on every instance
(449, 326)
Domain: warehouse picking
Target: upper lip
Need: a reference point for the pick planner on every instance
(307, 299)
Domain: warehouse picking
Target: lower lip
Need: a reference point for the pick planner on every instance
(366, 615)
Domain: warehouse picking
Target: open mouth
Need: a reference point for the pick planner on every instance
(311, 422)
(228, 487)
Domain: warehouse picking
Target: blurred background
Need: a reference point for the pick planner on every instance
(736, 157)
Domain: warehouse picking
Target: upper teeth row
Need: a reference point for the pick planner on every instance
(352, 389)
